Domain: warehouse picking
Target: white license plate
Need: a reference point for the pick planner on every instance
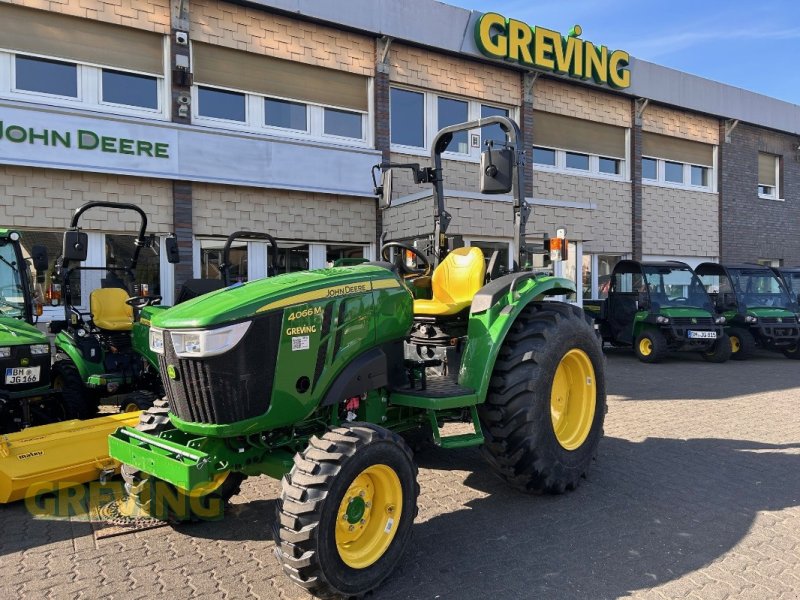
(22, 375)
(703, 335)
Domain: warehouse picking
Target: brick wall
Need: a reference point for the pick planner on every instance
(753, 228)
(678, 123)
(438, 72)
(47, 198)
(580, 102)
(679, 222)
(255, 30)
(152, 15)
(219, 210)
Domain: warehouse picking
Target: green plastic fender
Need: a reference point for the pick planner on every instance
(493, 312)
(66, 345)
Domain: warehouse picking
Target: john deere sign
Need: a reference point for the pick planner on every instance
(509, 39)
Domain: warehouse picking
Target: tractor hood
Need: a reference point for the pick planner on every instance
(242, 301)
(769, 312)
(675, 312)
(14, 332)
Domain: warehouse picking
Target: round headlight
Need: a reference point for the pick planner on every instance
(14, 236)
(720, 320)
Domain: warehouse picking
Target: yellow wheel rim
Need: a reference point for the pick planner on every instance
(645, 347)
(204, 489)
(572, 399)
(368, 516)
(130, 407)
(736, 344)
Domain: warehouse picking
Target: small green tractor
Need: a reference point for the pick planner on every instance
(316, 377)
(105, 351)
(657, 308)
(25, 398)
(758, 307)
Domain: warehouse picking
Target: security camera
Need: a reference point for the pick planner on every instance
(181, 38)
(184, 99)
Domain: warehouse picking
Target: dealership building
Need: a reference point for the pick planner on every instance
(217, 116)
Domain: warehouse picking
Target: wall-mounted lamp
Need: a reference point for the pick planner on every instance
(184, 101)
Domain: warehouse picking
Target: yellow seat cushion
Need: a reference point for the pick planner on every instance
(109, 310)
(454, 283)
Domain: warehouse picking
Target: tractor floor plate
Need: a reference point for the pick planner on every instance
(436, 387)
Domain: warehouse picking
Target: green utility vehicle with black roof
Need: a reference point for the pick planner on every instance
(314, 377)
(759, 310)
(657, 308)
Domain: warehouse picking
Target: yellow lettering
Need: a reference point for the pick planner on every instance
(597, 64)
(619, 75)
(70, 501)
(519, 41)
(544, 42)
(38, 506)
(576, 69)
(497, 45)
(564, 51)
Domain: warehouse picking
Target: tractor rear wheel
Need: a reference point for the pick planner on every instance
(743, 344)
(543, 415)
(720, 351)
(651, 346)
(346, 509)
(139, 485)
(79, 402)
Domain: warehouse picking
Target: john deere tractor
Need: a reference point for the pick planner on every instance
(760, 312)
(657, 308)
(24, 350)
(104, 351)
(315, 377)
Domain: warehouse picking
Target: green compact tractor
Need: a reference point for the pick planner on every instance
(659, 307)
(105, 351)
(24, 350)
(315, 377)
(759, 309)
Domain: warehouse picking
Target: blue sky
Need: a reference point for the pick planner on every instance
(753, 44)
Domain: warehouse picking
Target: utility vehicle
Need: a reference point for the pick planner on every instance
(104, 351)
(311, 377)
(659, 307)
(790, 276)
(759, 311)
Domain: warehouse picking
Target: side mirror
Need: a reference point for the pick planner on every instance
(76, 244)
(386, 189)
(171, 245)
(497, 170)
(40, 262)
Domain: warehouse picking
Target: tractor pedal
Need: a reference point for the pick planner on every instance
(463, 440)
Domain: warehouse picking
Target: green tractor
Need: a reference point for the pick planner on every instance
(759, 310)
(104, 352)
(659, 307)
(25, 398)
(315, 377)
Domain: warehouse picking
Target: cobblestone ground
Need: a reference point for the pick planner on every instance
(695, 494)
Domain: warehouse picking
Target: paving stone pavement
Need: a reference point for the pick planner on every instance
(695, 494)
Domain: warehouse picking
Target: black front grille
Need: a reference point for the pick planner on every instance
(18, 355)
(230, 387)
(691, 321)
(776, 320)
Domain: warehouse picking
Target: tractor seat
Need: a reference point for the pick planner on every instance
(109, 310)
(454, 283)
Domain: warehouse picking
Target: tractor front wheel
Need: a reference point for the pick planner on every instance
(720, 351)
(346, 509)
(743, 344)
(138, 400)
(543, 415)
(78, 401)
(651, 346)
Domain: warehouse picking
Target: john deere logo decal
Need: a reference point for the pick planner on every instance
(171, 372)
(780, 319)
(694, 321)
(24, 362)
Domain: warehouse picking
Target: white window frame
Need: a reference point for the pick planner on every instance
(776, 194)
(661, 181)
(430, 124)
(470, 240)
(255, 118)
(594, 164)
(89, 86)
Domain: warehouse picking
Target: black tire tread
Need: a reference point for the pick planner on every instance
(720, 351)
(747, 343)
(79, 402)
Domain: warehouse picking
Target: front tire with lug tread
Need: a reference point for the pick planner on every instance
(346, 509)
(79, 402)
(651, 346)
(743, 344)
(543, 415)
(720, 351)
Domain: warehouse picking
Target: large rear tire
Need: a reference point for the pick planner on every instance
(743, 344)
(345, 512)
(543, 415)
(139, 486)
(79, 402)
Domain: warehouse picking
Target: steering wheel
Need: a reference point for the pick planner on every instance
(422, 271)
(138, 302)
(679, 299)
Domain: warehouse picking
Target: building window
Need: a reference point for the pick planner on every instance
(119, 252)
(673, 172)
(285, 114)
(544, 156)
(610, 166)
(343, 123)
(343, 255)
(670, 161)
(46, 76)
(676, 174)
(221, 104)
(699, 176)
(493, 133)
(571, 162)
(292, 257)
(130, 89)
(768, 176)
(452, 112)
(407, 120)
(649, 169)
(577, 161)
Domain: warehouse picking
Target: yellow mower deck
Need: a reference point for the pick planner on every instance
(64, 454)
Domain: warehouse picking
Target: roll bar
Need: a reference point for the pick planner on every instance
(140, 242)
(225, 265)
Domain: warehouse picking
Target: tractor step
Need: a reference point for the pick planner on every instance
(463, 440)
